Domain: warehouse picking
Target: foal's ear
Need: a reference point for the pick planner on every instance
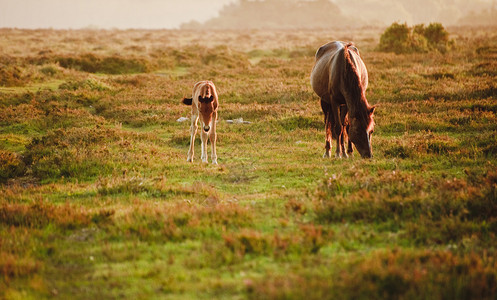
(211, 98)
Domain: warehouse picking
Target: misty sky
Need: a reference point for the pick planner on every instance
(121, 14)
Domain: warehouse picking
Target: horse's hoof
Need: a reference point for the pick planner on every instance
(189, 160)
(326, 154)
(214, 162)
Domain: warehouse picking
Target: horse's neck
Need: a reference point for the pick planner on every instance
(356, 102)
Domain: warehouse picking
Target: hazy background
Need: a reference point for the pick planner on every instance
(195, 14)
(105, 13)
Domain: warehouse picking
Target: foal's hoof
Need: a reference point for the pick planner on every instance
(327, 154)
(189, 160)
(214, 161)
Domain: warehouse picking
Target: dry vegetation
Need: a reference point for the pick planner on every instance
(97, 199)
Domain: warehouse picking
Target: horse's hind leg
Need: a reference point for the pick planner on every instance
(337, 128)
(328, 118)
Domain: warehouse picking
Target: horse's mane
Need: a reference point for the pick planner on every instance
(354, 86)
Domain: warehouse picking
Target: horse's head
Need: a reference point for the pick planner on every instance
(360, 132)
(207, 107)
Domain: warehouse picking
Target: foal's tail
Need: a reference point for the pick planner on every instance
(187, 101)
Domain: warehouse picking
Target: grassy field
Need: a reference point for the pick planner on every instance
(97, 199)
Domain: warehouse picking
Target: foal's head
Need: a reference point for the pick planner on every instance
(206, 107)
(360, 132)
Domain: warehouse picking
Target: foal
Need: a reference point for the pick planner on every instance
(204, 104)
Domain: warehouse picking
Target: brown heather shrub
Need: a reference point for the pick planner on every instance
(421, 274)
(308, 240)
(138, 81)
(92, 63)
(91, 84)
(113, 185)
(184, 220)
(12, 266)
(12, 76)
(19, 113)
(456, 209)
(390, 274)
(248, 242)
(41, 214)
(72, 153)
(11, 165)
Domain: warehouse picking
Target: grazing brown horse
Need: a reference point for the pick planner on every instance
(340, 79)
(204, 104)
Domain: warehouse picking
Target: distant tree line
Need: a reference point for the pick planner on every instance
(276, 14)
(293, 14)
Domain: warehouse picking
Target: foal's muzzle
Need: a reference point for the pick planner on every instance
(207, 128)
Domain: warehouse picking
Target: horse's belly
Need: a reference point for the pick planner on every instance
(320, 79)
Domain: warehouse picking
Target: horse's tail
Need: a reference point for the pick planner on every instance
(187, 101)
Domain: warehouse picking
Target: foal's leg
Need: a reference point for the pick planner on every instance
(204, 137)
(193, 132)
(326, 107)
(213, 138)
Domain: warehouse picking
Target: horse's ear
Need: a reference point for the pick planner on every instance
(211, 98)
(372, 109)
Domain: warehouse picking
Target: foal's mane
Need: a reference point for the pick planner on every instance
(208, 85)
(354, 87)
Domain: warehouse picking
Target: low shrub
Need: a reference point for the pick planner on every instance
(11, 165)
(11, 75)
(89, 84)
(108, 65)
(400, 38)
(41, 214)
(389, 274)
(75, 153)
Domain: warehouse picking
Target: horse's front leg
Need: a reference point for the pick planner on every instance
(213, 138)
(337, 128)
(344, 133)
(346, 125)
(328, 124)
(193, 132)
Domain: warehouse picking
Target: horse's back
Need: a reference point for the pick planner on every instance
(324, 66)
(329, 49)
(329, 67)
